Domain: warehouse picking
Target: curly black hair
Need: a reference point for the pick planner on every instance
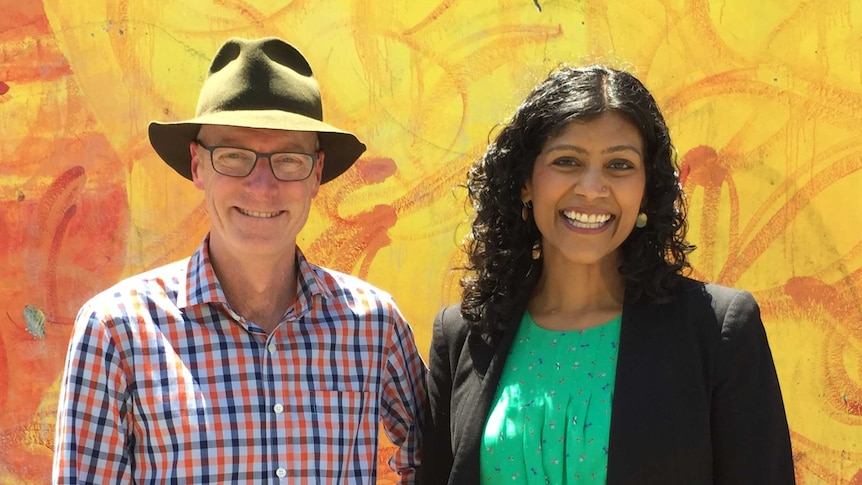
(501, 274)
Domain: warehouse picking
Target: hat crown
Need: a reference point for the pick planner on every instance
(260, 74)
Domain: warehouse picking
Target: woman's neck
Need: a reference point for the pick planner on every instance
(576, 296)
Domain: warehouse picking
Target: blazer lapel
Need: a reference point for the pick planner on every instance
(641, 447)
(488, 359)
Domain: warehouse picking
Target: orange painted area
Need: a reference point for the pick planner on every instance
(763, 101)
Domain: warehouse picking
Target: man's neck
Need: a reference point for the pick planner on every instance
(259, 289)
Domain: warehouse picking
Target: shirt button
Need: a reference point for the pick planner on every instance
(271, 348)
(278, 408)
(281, 473)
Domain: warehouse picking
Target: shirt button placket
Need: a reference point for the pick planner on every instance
(277, 408)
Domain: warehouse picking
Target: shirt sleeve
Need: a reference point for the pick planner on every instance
(91, 432)
(404, 398)
(751, 440)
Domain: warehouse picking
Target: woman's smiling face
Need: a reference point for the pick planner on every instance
(587, 188)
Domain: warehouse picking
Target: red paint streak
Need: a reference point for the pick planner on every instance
(45, 234)
(355, 241)
(24, 19)
(702, 166)
(60, 195)
(375, 170)
(701, 163)
(4, 374)
(809, 292)
(351, 244)
(53, 254)
(815, 297)
(38, 59)
(776, 225)
(383, 217)
(4, 88)
(68, 176)
(61, 187)
(812, 460)
(429, 19)
(684, 170)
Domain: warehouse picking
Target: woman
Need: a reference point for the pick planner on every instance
(579, 353)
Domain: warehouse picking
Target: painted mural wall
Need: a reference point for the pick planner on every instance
(764, 100)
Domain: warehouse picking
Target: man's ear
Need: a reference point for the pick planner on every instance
(318, 172)
(194, 151)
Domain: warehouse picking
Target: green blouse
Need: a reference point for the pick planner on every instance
(550, 419)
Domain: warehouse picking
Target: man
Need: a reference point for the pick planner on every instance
(245, 363)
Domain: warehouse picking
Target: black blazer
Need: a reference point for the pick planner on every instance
(696, 399)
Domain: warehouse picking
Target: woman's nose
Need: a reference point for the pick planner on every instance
(591, 184)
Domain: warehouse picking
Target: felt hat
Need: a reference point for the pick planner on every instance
(260, 83)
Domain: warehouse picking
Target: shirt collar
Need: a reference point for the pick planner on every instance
(202, 285)
(311, 284)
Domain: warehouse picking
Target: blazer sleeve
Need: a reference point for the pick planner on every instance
(437, 455)
(751, 440)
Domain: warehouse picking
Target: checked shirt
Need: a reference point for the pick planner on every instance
(165, 383)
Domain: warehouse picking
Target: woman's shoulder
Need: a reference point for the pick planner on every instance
(450, 325)
(718, 295)
(684, 288)
(723, 302)
(451, 313)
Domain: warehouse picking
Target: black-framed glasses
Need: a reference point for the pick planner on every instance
(240, 162)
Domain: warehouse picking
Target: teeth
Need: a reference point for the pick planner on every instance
(592, 219)
(263, 215)
(587, 218)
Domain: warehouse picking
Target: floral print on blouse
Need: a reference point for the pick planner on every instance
(550, 419)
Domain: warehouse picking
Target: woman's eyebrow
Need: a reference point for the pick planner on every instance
(583, 151)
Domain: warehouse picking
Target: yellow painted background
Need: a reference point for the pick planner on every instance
(764, 100)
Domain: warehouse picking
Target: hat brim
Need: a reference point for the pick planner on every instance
(171, 140)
